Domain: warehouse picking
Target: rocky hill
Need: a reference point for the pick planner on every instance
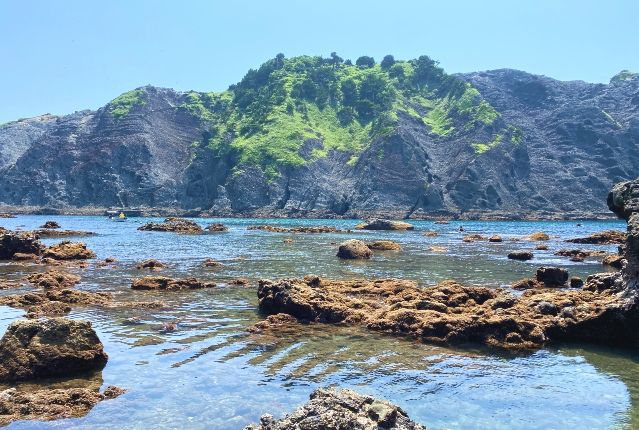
(312, 136)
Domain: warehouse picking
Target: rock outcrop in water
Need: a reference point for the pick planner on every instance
(173, 224)
(606, 310)
(49, 348)
(501, 142)
(51, 404)
(163, 283)
(331, 409)
(69, 251)
(608, 237)
(12, 243)
(354, 249)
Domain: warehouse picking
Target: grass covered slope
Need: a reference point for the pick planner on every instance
(267, 117)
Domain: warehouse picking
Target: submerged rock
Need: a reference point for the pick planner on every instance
(18, 242)
(55, 302)
(332, 409)
(209, 262)
(55, 347)
(384, 245)
(608, 237)
(217, 227)
(173, 224)
(384, 224)
(473, 237)
(69, 251)
(150, 264)
(50, 224)
(45, 233)
(51, 404)
(431, 233)
(354, 249)
(300, 229)
(520, 255)
(579, 253)
(169, 284)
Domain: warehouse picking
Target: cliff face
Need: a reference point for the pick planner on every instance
(503, 141)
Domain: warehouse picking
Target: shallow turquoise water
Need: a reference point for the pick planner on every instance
(210, 374)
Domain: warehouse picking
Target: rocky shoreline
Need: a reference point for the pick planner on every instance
(266, 213)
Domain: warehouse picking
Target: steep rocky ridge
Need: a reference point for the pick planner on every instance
(505, 143)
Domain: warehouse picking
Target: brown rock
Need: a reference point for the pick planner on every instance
(576, 282)
(431, 233)
(354, 249)
(607, 237)
(217, 228)
(384, 245)
(537, 236)
(552, 276)
(446, 313)
(55, 347)
(473, 237)
(579, 253)
(69, 251)
(50, 224)
(53, 279)
(51, 404)
(541, 247)
(209, 262)
(495, 238)
(300, 229)
(19, 256)
(15, 242)
(613, 260)
(520, 255)
(47, 233)
(173, 224)
(163, 283)
(384, 224)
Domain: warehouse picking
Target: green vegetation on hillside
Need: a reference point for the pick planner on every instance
(122, 105)
(624, 75)
(331, 104)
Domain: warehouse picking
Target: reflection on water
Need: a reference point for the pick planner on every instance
(210, 373)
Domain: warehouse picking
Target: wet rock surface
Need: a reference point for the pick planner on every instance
(18, 242)
(384, 224)
(69, 251)
(608, 237)
(53, 279)
(50, 224)
(47, 233)
(384, 245)
(54, 302)
(520, 255)
(217, 228)
(48, 348)
(150, 264)
(164, 283)
(332, 409)
(301, 229)
(51, 404)
(552, 276)
(354, 249)
(173, 224)
(449, 313)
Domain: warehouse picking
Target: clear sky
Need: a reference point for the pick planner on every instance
(67, 55)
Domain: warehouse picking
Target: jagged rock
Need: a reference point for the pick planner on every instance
(53, 279)
(552, 276)
(520, 255)
(384, 245)
(579, 253)
(608, 237)
(217, 228)
(49, 348)
(69, 251)
(448, 313)
(384, 224)
(173, 224)
(51, 404)
(150, 264)
(354, 249)
(55, 302)
(18, 242)
(50, 224)
(623, 200)
(613, 260)
(163, 283)
(332, 409)
(273, 322)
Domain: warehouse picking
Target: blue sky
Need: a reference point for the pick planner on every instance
(62, 56)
